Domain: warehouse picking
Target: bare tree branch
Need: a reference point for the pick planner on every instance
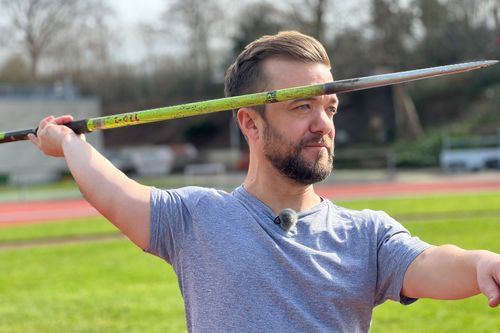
(42, 25)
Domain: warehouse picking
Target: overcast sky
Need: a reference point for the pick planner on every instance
(129, 15)
(137, 11)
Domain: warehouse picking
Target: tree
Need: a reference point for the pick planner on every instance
(92, 48)
(455, 31)
(40, 26)
(15, 70)
(392, 33)
(310, 16)
(391, 46)
(257, 19)
(199, 21)
(350, 54)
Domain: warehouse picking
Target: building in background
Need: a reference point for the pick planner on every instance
(23, 108)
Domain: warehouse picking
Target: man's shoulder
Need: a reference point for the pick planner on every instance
(365, 213)
(192, 193)
(364, 218)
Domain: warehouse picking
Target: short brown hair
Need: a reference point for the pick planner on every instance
(245, 75)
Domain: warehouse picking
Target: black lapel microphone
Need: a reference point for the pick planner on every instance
(287, 219)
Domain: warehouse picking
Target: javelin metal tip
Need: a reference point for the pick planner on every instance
(480, 64)
(486, 63)
(475, 64)
(490, 62)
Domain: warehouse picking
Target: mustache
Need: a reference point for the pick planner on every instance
(321, 139)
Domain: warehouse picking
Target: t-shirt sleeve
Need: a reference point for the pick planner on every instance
(169, 219)
(396, 250)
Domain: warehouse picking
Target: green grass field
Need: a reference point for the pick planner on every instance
(111, 286)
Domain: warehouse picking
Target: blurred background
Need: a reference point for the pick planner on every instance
(427, 153)
(91, 58)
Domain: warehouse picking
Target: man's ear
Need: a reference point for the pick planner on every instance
(248, 120)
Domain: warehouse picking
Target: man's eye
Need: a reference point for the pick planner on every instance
(303, 107)
(332, 109)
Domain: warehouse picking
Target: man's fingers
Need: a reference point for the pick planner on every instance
(491, 290)
(494, 301)
(58, 121)
(63, 119)
(45, 121)
(494, 295)
(33, 138)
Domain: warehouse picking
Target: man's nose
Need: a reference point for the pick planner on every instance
(322, 122)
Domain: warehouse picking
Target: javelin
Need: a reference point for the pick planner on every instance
(236, 102)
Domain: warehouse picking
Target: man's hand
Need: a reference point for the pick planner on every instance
(488, 276)
(50, 135)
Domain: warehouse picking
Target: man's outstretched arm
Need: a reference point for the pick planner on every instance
(120, 199)
(448, 272)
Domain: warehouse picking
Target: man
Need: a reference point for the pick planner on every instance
(237, 269)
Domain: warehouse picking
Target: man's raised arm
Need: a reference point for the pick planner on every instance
(448, 272)
(120, 199)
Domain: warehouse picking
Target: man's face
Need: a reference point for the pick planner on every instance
(288, 158)
(298, 135)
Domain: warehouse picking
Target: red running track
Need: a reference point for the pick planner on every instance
(45, 211)
(375, 190)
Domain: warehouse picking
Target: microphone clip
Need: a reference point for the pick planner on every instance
(286, 219)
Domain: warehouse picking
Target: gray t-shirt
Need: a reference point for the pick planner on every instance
(240, 272)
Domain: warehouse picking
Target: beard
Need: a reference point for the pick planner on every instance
(287, 157)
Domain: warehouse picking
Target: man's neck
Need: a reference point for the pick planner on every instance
(279, 192)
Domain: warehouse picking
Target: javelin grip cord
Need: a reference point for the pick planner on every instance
(78, 126)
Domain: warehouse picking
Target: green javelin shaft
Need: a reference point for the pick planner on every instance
(236, 102)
